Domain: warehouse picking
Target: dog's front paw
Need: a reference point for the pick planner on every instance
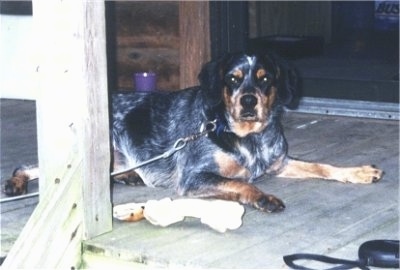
(364, 175)
(16, 185)
(130, 178)
(269, 203)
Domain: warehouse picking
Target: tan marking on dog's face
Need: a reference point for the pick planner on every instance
(261, 73)
(232, 103)
(229, 167)
(243, 127)
(238, 74)
(269, 99)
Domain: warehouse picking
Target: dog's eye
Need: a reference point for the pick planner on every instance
(263, 80)
(233, 80)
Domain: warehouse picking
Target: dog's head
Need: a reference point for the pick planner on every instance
(249, 88)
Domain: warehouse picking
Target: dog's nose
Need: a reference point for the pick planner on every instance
(248, 101)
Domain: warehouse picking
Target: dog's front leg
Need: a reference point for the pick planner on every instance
(359, 175)
(207, 185)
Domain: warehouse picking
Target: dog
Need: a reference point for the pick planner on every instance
(243, 96)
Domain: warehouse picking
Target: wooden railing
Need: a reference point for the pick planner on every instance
(73, 137)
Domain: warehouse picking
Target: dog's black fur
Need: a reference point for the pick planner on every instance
(244, 94)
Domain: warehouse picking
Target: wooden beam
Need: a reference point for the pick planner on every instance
(97, 209)
(195, 40)
(73, 136)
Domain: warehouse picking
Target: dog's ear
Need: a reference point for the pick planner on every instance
(211, 80)
(287, 82)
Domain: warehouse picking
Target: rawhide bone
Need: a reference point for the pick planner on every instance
(218, 214)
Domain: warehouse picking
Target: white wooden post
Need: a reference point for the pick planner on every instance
(73, 136)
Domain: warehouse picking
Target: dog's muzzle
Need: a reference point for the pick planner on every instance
(248, 103)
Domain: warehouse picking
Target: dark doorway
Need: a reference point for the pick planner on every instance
(361, 61)
(343, 49)
(229, 27)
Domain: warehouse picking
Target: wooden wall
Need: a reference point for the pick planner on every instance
(195, 47)
(147, 39)
(148, 34)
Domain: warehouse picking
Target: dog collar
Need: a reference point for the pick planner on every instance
(221, 126)
(208, 126)
(217, 125)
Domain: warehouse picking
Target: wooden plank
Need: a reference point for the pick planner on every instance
(331, 138)
(195, 40)
(94, 261)
(73, 136)
(96, 144)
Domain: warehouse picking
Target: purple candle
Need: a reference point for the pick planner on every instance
(145, 81)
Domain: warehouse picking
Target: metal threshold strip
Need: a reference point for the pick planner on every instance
(353, 108)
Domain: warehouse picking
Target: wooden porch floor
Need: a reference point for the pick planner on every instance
(323, 217)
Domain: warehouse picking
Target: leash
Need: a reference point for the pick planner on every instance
(344, 264)
(376, 253)
(206, 127)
